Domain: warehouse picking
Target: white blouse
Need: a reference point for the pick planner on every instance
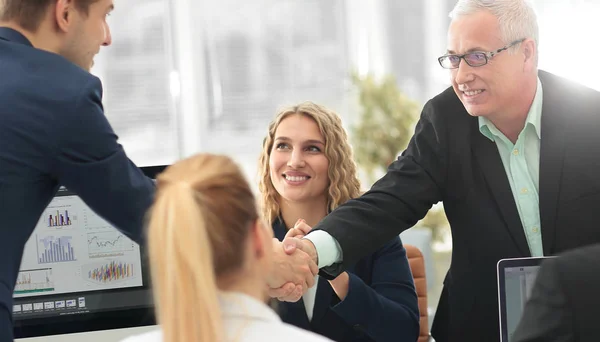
(247, 320)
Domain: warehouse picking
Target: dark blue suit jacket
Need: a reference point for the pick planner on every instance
(381, 304)
(53, 131)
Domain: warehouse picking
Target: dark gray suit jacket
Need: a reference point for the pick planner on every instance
(449, 160)
(565, 301)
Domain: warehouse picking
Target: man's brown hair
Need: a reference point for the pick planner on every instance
(30, 13)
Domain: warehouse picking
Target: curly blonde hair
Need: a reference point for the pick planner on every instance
(343, 181)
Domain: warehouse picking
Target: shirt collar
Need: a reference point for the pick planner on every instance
(534, 117)
(236, 304)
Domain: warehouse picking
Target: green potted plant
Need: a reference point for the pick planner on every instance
(383, 129)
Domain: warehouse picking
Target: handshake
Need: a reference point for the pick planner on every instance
(294, 265)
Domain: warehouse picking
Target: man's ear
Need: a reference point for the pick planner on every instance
(63, 13)
(529, 53)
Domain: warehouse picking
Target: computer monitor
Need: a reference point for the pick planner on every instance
(79, 273)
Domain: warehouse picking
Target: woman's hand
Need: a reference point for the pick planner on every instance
(341, 285)
(299, 230)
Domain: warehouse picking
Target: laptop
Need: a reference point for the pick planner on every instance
(516, 277)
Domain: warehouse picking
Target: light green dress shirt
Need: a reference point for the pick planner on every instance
(522, 165)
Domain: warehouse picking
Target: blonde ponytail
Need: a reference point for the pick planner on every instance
(182, 270)
(198, 228)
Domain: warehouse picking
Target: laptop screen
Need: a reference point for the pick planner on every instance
(518, 283)
(516, 278)
(79, 273)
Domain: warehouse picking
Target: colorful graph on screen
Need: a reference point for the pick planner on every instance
(32, 281)
(109, 272)
(108, 243)
(58, 218)
(51, 249)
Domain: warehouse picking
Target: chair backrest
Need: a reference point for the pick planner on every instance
(417, 266)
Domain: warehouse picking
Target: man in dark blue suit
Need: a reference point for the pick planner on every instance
(53, 130)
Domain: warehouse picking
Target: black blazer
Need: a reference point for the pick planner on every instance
(564, 305)
(53, 131)
(449, 160)
(381, 304)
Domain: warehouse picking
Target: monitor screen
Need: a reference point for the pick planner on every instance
(79, 273)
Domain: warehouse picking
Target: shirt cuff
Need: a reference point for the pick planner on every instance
(328, 249)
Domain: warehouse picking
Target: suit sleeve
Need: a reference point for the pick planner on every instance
(93, 164)
(388, 309)
(547, 316)
(412, 184)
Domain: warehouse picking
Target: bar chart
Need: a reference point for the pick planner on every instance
(109, 272)
(58, 218)
(52, 249)
(34, 281)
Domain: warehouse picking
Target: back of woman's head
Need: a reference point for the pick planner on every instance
(198, 227)
(343, 179)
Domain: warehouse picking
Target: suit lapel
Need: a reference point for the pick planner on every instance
(279, 229)
(293, 312)
(323, 298)
(489, 160)
(322, 301)
(552, 149)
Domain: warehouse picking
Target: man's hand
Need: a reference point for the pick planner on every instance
(288, 292)
(293, 270)
(298, 232)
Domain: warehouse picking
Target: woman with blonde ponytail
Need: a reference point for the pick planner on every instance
(210, 256)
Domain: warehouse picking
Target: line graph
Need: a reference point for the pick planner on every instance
(34, 281)
(108, 243)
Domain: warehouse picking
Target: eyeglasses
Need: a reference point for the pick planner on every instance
(474, 59)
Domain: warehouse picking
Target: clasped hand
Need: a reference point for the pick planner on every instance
(294, 265)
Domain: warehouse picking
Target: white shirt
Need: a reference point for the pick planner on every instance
(247, 320)
(309, 299)
(328, 249)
